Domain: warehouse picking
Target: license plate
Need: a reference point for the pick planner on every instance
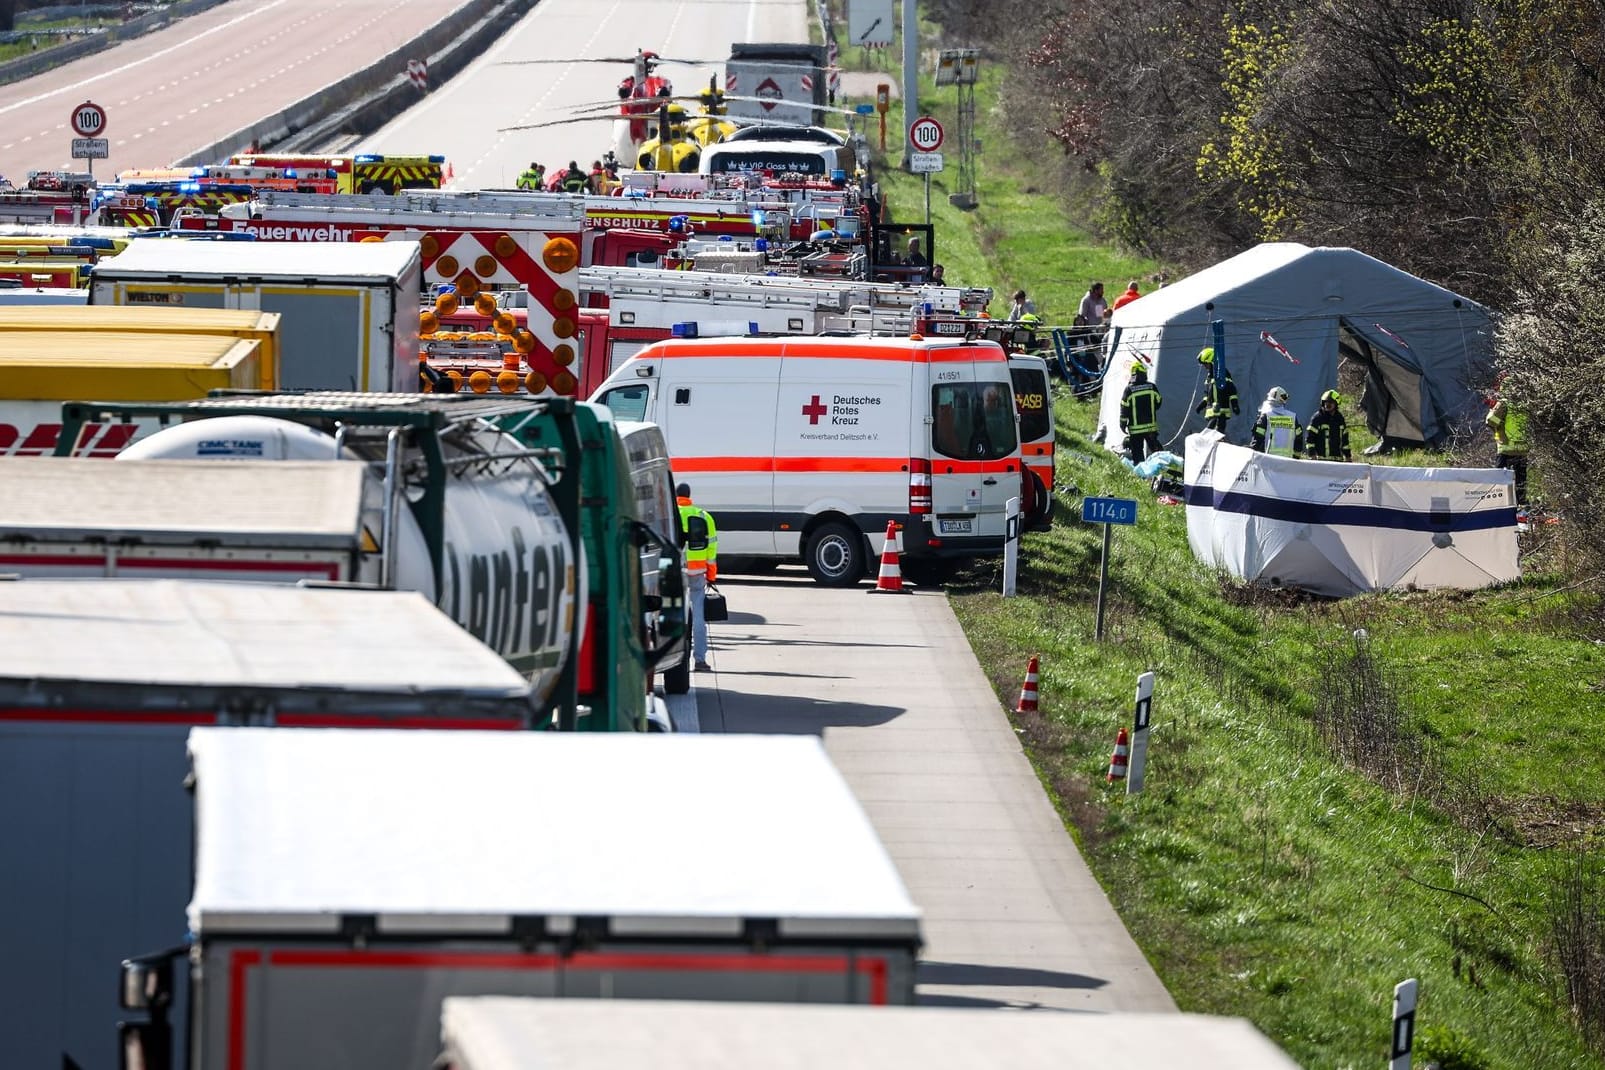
(961, 526)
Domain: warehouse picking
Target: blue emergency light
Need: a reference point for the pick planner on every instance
(688, 329)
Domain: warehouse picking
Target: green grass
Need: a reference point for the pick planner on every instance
(39, 44)
(1263, 875)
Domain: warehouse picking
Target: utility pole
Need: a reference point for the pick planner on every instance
(911, 74)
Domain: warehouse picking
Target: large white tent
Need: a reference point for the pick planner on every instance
(1342, 529)
(1424, 349)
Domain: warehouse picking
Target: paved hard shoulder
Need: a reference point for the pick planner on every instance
(1013, 917)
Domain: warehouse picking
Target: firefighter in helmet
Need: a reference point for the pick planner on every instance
(572, 179)
(1327, 437)
(1139, 415)
(1277, 430)
(1220, 402)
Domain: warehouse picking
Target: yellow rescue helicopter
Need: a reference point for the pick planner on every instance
(673, 149)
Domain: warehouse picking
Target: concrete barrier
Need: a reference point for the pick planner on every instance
(375, 93)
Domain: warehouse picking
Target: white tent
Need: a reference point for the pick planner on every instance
(1423, 348)
(1342, 529)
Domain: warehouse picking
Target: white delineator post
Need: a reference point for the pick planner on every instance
(1139, 732)
(1011, 545)
(1404, 1024)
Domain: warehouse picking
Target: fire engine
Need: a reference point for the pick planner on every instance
(362, 173)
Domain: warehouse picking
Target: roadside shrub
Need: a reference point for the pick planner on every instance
(1577, 943)
(1448, 1049)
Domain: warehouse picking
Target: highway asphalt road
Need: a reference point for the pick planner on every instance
(203, 77)
(554, 61)
(1012, 916)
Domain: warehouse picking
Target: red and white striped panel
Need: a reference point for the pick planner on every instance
(474, 250)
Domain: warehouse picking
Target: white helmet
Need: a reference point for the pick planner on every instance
(1276, 396)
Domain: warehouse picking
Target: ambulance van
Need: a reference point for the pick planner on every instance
(805, 447)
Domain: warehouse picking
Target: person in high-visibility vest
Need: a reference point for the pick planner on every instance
(1277, 431)
(1139, 415)
(1509, 425)
(534, 177)
(1220, 399)
(1327, 437)
(701, 568)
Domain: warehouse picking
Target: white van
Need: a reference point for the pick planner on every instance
(807, 447)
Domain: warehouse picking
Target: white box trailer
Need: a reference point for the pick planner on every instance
(100, 683)
(349, 308)
(498, 1033)
(348, 882)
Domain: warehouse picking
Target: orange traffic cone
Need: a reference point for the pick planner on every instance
(1028, 691)
(1118, 760)
(891, 577)
(450, 174)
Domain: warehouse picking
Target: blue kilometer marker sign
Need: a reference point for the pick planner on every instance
(1109, 510)
(1106, 511)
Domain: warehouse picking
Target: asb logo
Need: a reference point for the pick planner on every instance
(769, 94)
(814, 410)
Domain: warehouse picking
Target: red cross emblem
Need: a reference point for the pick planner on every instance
(814, 410)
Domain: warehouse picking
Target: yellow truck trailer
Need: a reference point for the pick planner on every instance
(41, 369)
(261, 327)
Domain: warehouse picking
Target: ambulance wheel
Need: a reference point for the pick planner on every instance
(677, 678)
(1042, 504)
(835, 556)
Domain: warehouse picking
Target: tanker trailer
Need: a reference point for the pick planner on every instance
(464, 513)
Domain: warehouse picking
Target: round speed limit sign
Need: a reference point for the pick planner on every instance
(925, 134)
(89, 120)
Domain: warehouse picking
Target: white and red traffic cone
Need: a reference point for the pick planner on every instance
(1121, 757)
(891, 576)
(1028, 690)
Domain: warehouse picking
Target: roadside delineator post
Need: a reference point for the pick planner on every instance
(1404, 1024)
(1142, 717)
(890, 579)
(1028, 690)
(1121, 756)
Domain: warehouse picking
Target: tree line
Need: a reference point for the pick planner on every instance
(1459, 140)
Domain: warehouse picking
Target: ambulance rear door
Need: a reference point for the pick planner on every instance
(974, 447)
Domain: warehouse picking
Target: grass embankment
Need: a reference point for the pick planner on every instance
(77, 26)
(1325, 815)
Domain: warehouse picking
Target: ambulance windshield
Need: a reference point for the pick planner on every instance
(973, 420)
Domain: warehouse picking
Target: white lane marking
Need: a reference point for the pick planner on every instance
(78, 86)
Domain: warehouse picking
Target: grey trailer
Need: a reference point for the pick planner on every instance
(100, 683)
(349, 309)
(348, 882)
(491, 1033)
(787, 82)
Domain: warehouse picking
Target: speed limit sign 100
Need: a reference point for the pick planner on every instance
(925, 134)
(89, 120)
